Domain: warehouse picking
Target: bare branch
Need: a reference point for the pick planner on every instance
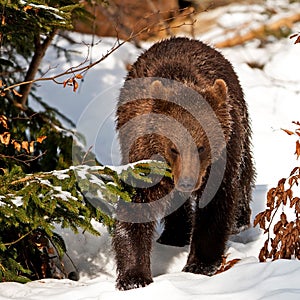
(20, 160)
(19, 239)
(82, 68)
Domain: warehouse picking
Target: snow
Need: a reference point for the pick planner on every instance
(60, 174)
(53, 10)
(272, 93)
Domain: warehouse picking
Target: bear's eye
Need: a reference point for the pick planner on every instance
(201, 149)
(174, 151)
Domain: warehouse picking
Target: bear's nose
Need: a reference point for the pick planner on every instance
(186, 184)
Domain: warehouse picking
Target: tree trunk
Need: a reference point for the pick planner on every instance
(40, 50)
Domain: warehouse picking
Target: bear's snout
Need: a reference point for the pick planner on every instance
(186, 184)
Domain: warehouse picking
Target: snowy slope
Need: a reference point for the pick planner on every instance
(277, 280)
(272, 94)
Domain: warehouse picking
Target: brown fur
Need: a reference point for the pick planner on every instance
(208, 73)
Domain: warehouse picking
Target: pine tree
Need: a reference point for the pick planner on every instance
(39, 186)
(34, 143)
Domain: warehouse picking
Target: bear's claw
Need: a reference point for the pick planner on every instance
(133, 281)
(202, 268)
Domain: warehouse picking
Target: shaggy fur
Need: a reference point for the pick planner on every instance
(206, 229)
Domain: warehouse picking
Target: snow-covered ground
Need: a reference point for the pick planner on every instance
(272, 94)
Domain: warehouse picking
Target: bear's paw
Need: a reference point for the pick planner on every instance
(132, 280)
(202, 268)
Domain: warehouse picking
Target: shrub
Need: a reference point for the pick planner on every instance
(283, 238)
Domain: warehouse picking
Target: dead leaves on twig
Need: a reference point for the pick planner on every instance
(6, 139)
(72, 82)
(296, 133)
(283, 238)
(86, 65)
(226, 265)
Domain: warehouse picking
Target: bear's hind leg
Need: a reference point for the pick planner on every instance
(178, 226)
(209, 235)
(242, 212)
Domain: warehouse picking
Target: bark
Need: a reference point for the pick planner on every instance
(40, 50)
(261, 31)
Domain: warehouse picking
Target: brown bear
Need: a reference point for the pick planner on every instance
(182, 103)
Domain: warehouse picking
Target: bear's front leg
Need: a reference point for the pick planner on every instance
(132, 243)
(209, 236)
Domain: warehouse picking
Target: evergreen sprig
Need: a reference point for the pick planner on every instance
(31, 204)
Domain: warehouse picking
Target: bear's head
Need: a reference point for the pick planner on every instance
(188, 124)
(195, 132)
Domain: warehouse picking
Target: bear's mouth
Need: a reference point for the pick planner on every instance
(187, 184)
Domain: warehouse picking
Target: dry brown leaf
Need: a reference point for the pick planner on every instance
(17, 145)
(283, 219)
(264, 253)
(289, 193)
(281, 183)
(294, 171)
(68, 82)
(297, 152)
(41, 138)
(276, 228)
(5, 138)
(25, 146)
(227, 265)
(268, 214)
(31, 147)
(294, 180)
(65, 83)
(27, 7)
(271, 197)
(289, 132)
(294, 201)
(258, 218)
(3, 121)
(75, 85)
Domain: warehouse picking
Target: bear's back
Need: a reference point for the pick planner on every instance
(186, 60)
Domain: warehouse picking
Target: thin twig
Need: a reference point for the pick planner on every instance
(19, 239)
(86, 154)
(25, 162)
(82, 69)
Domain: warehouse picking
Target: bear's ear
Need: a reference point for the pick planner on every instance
(220, 89)
(157, 90)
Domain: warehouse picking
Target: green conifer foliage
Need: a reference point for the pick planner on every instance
(39, 186)
(30, 206)
(34, 143)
